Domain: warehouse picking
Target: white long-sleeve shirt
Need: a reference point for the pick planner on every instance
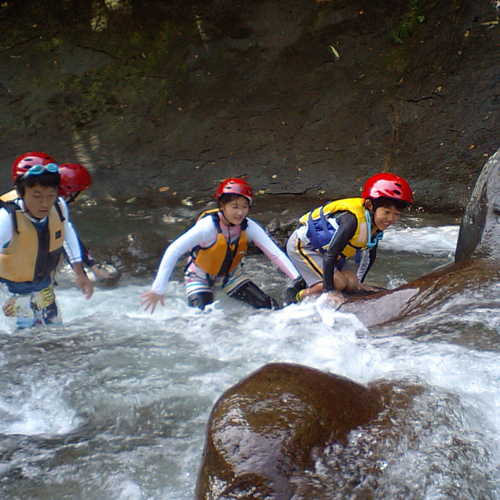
(71, 245)
(204, 234)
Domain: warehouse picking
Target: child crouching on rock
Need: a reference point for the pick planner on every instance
(329, 235)
(217, 244)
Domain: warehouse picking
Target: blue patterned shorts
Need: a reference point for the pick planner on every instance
(35, 308)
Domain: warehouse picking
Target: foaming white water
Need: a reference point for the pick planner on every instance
(36, 407)
(311, 333)
(433, 240)
(134, 390)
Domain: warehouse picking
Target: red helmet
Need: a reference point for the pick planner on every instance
(74, 178)
(235, 186)
(28, 160)
(388, 186)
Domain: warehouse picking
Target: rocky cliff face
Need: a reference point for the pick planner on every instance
(163, 100)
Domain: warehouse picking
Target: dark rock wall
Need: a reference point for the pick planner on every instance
(162, 100)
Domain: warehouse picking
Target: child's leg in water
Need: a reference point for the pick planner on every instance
(45, 301)
(19, 306)
(200, 299)
(198, 289)
(250, 293)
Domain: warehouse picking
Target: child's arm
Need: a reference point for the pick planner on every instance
(257, 235)
(150, 300)
(82, 281)
(72, 249)
(5, 227)
(348, 224)
(202, 231)
(367, 259)
(71, 242)
(86, 257)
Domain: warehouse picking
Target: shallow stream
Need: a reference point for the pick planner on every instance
(114, 404)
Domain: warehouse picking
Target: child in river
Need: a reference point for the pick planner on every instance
(75, 179)
(33, 229)
(217, 244)
(341, 229)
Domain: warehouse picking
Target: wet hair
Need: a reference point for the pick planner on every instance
(383, 201)
(224, 199)
(45, 179)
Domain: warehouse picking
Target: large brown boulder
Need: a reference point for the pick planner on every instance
(262, 430)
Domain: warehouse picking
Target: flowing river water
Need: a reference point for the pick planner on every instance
(113, 405)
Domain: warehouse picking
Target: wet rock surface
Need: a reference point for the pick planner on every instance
(264, 429)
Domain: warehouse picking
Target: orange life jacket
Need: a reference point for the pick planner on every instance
(221, 258)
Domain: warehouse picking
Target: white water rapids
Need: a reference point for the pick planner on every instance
(114, 404)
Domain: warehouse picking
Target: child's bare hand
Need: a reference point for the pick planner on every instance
(336, 297)
(151, 299)
(366, 288)
(85, 285)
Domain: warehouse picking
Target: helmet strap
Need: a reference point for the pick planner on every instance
(226, 222)
(72, 197)
(369, 217)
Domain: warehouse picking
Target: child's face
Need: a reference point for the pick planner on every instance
(235, 211)
(38, 200)
(385, 216)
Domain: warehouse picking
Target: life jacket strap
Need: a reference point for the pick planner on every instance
(313, 235)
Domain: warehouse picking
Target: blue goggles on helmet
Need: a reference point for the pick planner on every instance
(40, 169)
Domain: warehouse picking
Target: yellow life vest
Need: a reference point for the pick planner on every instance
(320, 215)
(221, 258)
(31, 254)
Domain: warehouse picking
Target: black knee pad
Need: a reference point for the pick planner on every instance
(250, 293)
(200, 300)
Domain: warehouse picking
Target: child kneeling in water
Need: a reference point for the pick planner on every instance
(75, 179)
(329, 235)
(217, 243)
